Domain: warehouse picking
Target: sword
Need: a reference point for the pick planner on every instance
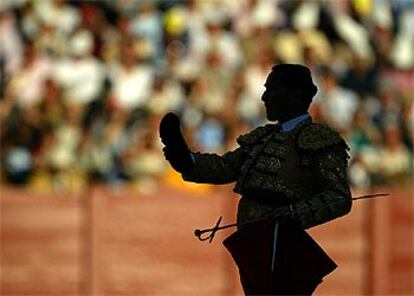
(212, 231)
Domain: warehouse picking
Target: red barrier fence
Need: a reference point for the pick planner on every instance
(114, 241)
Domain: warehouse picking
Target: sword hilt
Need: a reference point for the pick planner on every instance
(198, 233)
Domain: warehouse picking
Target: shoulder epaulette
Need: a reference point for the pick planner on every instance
(255, 135)
(318, 136)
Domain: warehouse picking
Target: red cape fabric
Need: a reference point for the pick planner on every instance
(299, 259)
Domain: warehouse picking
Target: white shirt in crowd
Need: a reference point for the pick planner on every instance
(338, 107)
(132, 87)
(27, 84)
(81, 78)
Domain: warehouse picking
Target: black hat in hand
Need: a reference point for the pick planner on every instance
(176, 150)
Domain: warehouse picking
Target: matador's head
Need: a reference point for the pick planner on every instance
(289, 92)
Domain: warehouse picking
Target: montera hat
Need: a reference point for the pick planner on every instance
(293, 77)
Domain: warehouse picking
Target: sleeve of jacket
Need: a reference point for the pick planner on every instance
(330, 159)
(216, 169)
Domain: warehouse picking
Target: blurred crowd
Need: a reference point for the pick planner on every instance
(85, 83)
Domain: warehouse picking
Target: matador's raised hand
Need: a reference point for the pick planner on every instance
(176, 150)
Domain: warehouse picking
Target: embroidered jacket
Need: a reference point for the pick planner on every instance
(304, 168)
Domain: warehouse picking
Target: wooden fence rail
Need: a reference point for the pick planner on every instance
(113, 241)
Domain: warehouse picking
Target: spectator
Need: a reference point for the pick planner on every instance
(84, 83)
(25, 87)
(361, 77)
(210, 135)
(221, 41)
(11, 46)
(143, 162)
(61, 156)
(334, 98)
(168, 95)
(81, 74)
(396, 161)
(364, 138)
(131, 80)
(147, 24)
(363, 133)
(58, 14)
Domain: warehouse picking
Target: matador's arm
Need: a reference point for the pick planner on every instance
(216, 169)
(197, 167)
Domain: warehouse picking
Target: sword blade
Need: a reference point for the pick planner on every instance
(199, 232)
